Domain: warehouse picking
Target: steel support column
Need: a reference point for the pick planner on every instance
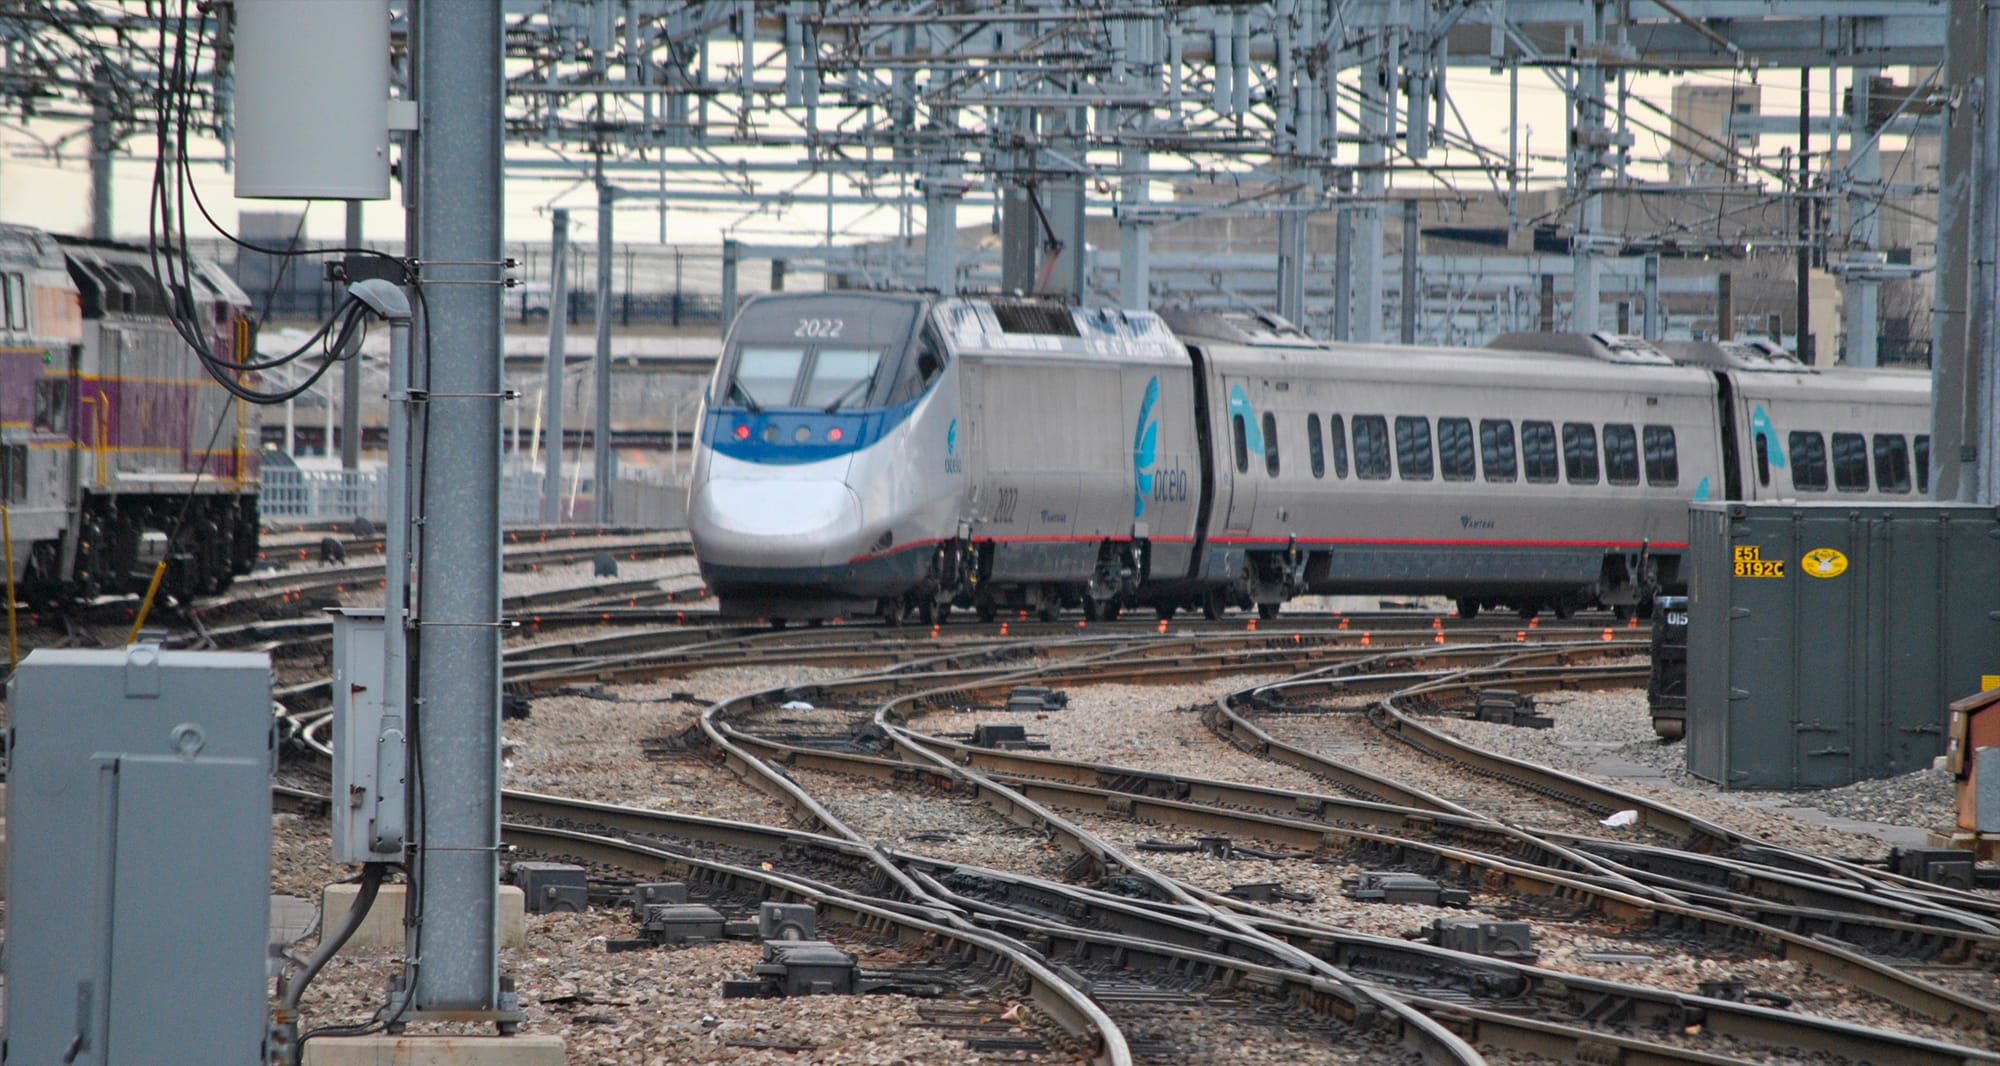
(605, 471)
(552, 394)
(455, 871)
(1862, 189)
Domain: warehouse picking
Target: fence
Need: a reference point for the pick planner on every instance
(294, 495)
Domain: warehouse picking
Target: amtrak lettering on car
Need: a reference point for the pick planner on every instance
(1145, 440)
(952, 463)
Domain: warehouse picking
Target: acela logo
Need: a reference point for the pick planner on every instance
(952, 463)
(1145, 441)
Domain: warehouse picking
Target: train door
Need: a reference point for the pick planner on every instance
(1732, 451)
(1243, 444)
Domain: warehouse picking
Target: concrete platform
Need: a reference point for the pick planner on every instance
(384, 925)
(382, 1050)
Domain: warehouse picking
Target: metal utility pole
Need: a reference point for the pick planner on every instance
(606, 461)
(1807, 345)
(943, 189)
(1983, 310)
(1590, 138)
(103, 145)
(454, 869)
(1956, 389)
(1863, 187)
(350, 371)
(1377, 106)
(1408, 334)
(552, 392)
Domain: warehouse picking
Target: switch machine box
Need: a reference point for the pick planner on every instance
(138, 857)
(1825, 641)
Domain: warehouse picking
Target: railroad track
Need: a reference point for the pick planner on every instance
(1732, 890)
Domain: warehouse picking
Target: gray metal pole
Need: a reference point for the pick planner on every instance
(1343, 273)
(1863, 186)
(1588, 135)
(1653, 323)
(1954, 374)
(1135, 283)
(1292, 261)
(552, 393)
(103, 146)
(1983, 345)
(350, 371)
(1377, 107)
(1408, 333)
(732, 253)
(606, 459)
(455, 868)
(943, 188)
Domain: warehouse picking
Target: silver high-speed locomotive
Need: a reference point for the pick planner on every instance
(865, 452)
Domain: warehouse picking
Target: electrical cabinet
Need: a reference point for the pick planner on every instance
(1825, 641)
(370, 749)
(138, 857)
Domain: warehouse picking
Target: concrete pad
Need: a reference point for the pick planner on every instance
(291, 917)
(383, 1050)
(383, 928)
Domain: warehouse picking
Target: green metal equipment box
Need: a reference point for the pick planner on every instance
(1825, 641)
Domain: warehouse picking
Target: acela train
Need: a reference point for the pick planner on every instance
(890, 453)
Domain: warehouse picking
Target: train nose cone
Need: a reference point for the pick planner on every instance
(775, 523)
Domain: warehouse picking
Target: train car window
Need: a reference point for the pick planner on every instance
(1923, 449)
(1371, 447)
(1270, 444)
(1663, 460)
(17, 302)
(841, 378)
(764, 376)
(14, 472)
(1621, 454)
(1580, 452)
(1237, 434)
(52, 405)
(923, 363)
(1456, 461)
(1496, 448)
(1892, 463)
(1336, 429)
(1808, 452)
(1413, 447)
(1538, 452)
(1850, 462)
(1315, 447)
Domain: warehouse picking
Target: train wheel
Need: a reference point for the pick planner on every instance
(1050, 610)
(1468, 608)
(986, 609)
(1165, 612)
(1267, 611)
(1623, 612)
(1530, 609)
(815, 623)
(891, 612)
(1111, 610)
(777, 623)
(1090, 610)
(1562, 608)
(1212, 605)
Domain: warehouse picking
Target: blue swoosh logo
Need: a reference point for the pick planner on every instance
(1145, 442)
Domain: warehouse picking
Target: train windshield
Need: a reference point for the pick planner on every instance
(820, 352)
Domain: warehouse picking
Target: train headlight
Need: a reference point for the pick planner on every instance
(802, 434)
(770, 434)
(742, 431)
(834, 433)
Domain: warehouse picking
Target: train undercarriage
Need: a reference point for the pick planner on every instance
(120, 540)
(960, 578)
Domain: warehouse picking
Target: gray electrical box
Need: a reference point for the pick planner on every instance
(138, 857)
(370, 749)
(1826, 641)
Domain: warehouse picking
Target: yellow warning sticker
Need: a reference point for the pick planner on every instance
(1823, 562)
(1989, 682)
(1751, 563)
